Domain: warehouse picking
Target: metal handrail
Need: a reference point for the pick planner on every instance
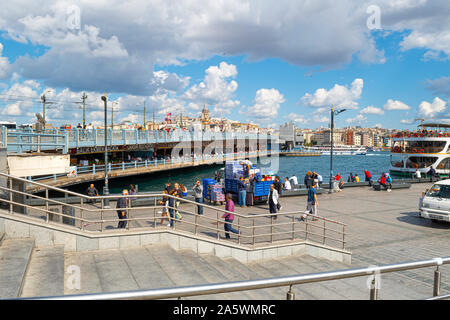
(217, 220)
(224, 287)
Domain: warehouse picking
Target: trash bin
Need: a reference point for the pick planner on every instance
(53, 217)
(70, 211)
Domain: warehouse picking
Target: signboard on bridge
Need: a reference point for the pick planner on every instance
(114, 148)
(38, 165)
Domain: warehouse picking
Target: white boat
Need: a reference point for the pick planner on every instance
(422, 149)
(340, 150)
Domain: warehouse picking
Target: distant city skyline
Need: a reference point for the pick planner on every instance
(387, 64)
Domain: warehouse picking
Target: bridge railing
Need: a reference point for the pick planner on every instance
(21, 140)
(161, 163)
(98, 214)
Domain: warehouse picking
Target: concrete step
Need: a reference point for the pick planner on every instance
(308, 264)
(89, 278)
(147, 272)
(249, 274)
(114, 272)
(317, 291)
(177, 269)
(14, 259)
(281, 291)
(45, 275)
(209, 272)
(232, 274)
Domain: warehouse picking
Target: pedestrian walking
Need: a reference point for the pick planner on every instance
(250, 188)
(133, 192)
(312, 202)
(183, 190)
(273, 201)
(308, 180)
(279, 188)
(319, 181)
(229, 217)
(122, 204)
(165, 211)
(293, 180)
(92, 192)
(178, 194)
(368, 177)
(198, 195)
(287, 184)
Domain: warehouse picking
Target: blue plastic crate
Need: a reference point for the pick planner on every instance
(231, 185)
(207, 182)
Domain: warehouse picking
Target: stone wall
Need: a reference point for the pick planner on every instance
(73, 240)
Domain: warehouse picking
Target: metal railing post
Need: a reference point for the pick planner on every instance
(290, 294)
(306, 228)
(102, 214)
(253, 232)
(271, 229)
(10, 195)
(239, 230)
(343, 237)
(373, 289)
(154, 213)
(129, 213)
(81, 214)
(293, 227)
(195, 224)
(324, 231)
(437, 283)
(217, 224)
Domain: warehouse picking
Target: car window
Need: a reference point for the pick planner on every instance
(439, 191)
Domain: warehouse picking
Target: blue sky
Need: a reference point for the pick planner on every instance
(259, 71)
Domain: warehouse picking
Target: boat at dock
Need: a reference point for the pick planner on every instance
(339, 150)
(422, 149)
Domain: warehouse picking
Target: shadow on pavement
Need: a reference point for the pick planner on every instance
(414, 219)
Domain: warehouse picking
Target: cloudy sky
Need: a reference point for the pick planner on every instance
(263, 61)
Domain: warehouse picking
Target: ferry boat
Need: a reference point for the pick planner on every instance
(343, 150)
(422, 149)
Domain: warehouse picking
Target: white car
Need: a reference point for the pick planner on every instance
(435, 204)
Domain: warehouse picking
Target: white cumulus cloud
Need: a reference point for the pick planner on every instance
(427, 109)
(266, 104)
(395, 105)
(217, 89)
(372, 110)
(339, 96)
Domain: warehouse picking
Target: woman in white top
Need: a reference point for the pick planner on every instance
(418, 175)
(287, 184)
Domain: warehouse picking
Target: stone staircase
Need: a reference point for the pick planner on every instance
(26, 271)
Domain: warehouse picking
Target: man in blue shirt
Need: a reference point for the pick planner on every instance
(312, 203)
(242, 187)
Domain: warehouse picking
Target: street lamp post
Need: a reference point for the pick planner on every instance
(333, 113)
(105, 187)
